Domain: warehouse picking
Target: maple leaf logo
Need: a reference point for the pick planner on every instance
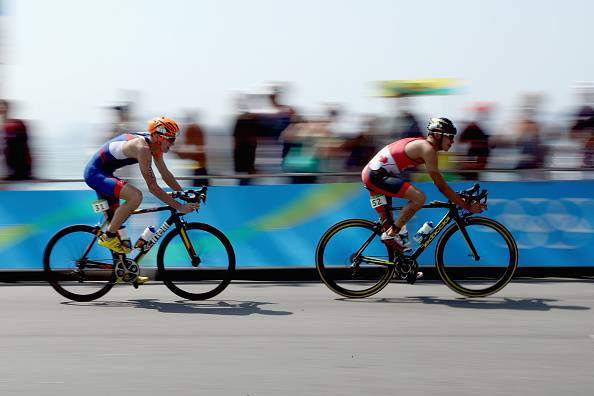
(383, 159)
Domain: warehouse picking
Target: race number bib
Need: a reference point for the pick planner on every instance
(100, 206)
(378, 200)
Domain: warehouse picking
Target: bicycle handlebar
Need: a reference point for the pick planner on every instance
(190, 195)
(470, 195)
(474, 194)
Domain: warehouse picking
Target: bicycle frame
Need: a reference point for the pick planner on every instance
(451, 215)
(174, 219)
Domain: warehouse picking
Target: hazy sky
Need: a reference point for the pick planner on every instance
(67, 58)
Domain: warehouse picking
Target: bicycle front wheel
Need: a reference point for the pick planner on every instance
(352, 260)
(201, 275)
(486, 274)
(76, 266)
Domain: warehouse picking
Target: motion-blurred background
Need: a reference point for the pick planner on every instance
(265, 88)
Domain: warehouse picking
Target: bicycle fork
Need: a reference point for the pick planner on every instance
(188, 245)
(473, 253)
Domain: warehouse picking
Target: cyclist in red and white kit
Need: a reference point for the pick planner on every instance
(385, 175)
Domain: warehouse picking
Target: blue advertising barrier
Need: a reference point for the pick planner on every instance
(280, 225)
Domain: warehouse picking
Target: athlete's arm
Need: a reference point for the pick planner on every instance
(430, 157)
(171, 182)
(144, 158)
(167, 175)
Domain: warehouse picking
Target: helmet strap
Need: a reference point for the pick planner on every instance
(434, 142)
(438, 142)
(155, 145)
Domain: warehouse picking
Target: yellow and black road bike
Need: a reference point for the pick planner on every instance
(475, 256)
(195, 260)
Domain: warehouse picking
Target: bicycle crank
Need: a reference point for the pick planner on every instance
(406, 268)
(127, 270)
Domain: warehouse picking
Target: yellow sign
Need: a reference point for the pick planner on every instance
(430, 86)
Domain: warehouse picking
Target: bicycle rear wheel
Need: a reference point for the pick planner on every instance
(498, 258)
(342, 259)
(76, 266)
(204, 278)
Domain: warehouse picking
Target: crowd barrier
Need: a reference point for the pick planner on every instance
(280, 225)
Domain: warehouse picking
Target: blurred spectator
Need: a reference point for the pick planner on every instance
(121, 123)
(16, 145)
(273, 120)
(532, 151)
(282, 114)
(193, 148)
(361, 148)
(582, 128)
(245, 140)
(406, 124)
(304, 145)
(477, 139)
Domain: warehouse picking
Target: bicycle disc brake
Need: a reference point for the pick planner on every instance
(127, 270)
(406, 268)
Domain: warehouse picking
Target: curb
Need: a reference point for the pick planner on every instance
(299, 274)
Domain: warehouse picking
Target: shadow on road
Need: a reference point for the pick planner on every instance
(523, 304)
(211, 307)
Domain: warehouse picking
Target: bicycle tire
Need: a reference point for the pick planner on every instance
(331, 273)
(465, 273)
(182, 277)
(58, 276)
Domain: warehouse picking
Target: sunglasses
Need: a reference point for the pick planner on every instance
(170, 139)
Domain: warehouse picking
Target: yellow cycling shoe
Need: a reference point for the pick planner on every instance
(113, 244)
(140, 280)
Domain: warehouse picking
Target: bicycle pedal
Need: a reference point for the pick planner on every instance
(411, 278)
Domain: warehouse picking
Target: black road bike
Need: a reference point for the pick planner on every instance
(195, 260)
(475, 256)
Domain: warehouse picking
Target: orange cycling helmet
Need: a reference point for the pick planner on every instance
(163, 127)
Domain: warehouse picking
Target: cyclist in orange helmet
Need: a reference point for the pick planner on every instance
(142, 148)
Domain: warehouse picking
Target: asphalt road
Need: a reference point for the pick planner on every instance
(534, 338)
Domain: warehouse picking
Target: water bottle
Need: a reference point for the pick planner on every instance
(146, 235)
(423, 231)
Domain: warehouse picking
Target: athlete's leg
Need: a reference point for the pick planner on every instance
(392, 186)
(384, 213)
(416, 200)
(133, 198)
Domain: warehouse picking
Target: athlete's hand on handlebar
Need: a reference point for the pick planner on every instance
(477, 207)
(475, 199)
(189, 207)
